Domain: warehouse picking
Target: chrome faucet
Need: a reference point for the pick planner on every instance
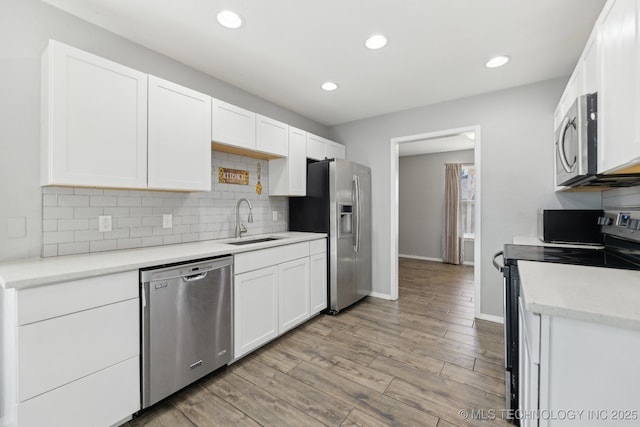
(240, 228)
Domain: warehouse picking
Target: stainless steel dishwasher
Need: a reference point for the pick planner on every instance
(186, 324)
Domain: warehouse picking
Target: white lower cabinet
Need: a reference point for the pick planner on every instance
(255, 316)
(293, 293)
(318, 275)
(580, 369)
(72, 353)
(275, 290)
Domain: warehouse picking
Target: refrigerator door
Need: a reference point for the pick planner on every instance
(362, 177)
(343, 285)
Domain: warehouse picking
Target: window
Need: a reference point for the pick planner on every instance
(468, 188)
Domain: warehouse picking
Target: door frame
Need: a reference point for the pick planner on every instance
(394, 206)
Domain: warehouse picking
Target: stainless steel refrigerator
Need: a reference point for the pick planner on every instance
(338, 202)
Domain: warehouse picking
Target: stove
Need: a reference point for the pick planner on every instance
(621, 250)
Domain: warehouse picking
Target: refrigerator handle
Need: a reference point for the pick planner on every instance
(356, 244)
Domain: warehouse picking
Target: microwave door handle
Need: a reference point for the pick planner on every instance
(561, 138)
(498, 267)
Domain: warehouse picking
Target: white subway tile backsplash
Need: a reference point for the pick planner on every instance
(70, 215)
(73, 248)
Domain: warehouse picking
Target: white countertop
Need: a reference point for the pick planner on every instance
(593, 294)
(42, 271)
(535, 241)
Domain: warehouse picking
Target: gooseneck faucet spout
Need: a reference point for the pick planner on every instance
(240, 228)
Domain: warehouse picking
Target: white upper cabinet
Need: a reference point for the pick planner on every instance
(272, 136)
(319, 148)
(590, 80)
(231, 125)
(94, 117)
(333, 150)
(288, 176)
(618, 109)
(179, 150)
(315, 147)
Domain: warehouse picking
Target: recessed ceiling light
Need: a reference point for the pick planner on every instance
(329, 86)
(497, 61)
(376, 41)
(230, 19)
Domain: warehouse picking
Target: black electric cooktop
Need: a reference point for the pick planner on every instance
(619, 255)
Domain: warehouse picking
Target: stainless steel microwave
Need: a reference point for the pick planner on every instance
(576, 142)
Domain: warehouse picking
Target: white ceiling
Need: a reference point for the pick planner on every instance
(464, 141)
(288, 48)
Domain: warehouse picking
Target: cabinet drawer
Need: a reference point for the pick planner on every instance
(45, 302)
(58, 351)
(267, 257)
(317, 246)
(101, 399)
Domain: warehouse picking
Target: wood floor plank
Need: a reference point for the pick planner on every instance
(490, 369)
(358, 418)
(355, 372)
(321, 406)
(475, 379)
(204, 408)
(377, 405)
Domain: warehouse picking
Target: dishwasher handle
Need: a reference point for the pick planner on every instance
(194, 277)
(498, 267)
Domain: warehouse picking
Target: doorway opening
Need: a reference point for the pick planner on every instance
(451, 140)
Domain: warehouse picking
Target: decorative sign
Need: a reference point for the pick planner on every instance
(258, 185)
(233, 176)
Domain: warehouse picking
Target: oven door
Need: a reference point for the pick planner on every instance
(567, 147)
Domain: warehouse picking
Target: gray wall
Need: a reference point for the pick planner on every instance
(26, 27)
(516, 169)
(421, 202)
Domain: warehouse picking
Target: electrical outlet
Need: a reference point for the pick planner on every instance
(275, 215)
(104, 223)
(167, 221)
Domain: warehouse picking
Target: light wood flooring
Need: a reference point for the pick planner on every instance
(417, 361)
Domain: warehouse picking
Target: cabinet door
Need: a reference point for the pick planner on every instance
(333, 150)
(232, 125)
(272, 136)
(590, 66)
(315, 147)
(179, 145)
(288, 176)
(619, 89)
(94, 118)
(318, 281)
(255, 309)
(293, 294)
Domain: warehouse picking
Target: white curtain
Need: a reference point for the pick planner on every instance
(452, 248)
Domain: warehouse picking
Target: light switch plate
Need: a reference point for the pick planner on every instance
(167, 221)
(104, 223)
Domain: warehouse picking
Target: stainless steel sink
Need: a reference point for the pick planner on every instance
(248, 242)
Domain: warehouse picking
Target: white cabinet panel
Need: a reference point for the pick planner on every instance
(272, 136)
(293, 305)
(315, 147)
(45, 302)
(318, 280)
(288, 176)
(333, 150)
(101, 399)
(255, 309)
(94, 118)
(232, 125)
(179, 148)
(618, 127)
(590, 66)
(57, 351)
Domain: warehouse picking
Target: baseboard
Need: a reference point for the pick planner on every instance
(380, 295)
(490, 318)
(424, 258)
(468, 263)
